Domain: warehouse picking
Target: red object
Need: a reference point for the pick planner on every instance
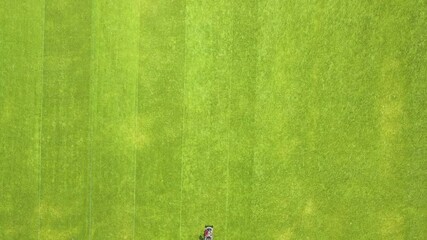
(206, 233)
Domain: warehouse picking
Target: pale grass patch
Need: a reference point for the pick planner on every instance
(392, 226)
(286, 235)
(391, 105)
(309, 207)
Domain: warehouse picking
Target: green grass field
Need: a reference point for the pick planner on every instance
(270, 119)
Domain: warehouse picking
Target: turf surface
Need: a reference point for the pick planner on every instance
(270, 119)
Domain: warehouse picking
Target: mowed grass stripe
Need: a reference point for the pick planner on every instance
(115, 55)
(219, 111)
(278, 118)
(66, 113)
(349, 131)
(400, 84)
(21, 37)
(414, 133)
(160, 116)
(206, 125)
(242, 133)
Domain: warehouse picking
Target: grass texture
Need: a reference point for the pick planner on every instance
(269, 119)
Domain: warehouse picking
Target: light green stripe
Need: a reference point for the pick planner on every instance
(206, 134)
(114, 138)
(21, 40)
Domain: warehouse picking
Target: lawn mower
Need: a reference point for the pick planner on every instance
(208, 233)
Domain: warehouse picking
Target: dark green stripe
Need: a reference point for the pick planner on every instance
(66, 114)
(160, 116)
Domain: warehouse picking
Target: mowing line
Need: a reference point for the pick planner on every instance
(135, 157)
(41, 118)
(183, 119)
(136, 103)
(135, 161)
(182, 160)
(92, 102)
(254, 121)
(228, 164)
(228, 147)
(89, 220)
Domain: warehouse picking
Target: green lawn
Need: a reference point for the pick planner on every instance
(269, 119)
